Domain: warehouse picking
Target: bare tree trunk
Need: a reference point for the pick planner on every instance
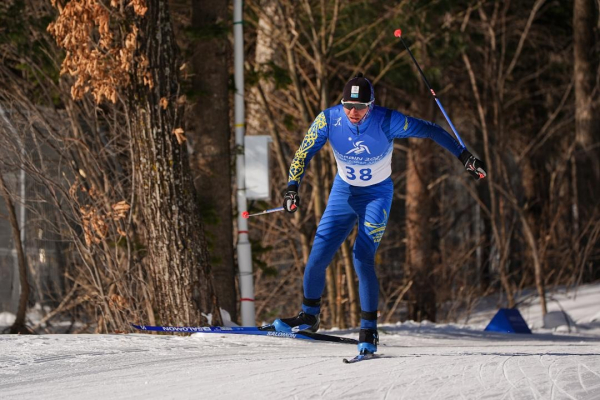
(177, 252)
(496, 210)
(531, 226)
(211, 142)
(259, 104)
(19, 325)
(419, 208)
(422, 294)
(354, 309)
(584, 71)
(586, 106)
(330, 276)
(266, 53)
(339, 300)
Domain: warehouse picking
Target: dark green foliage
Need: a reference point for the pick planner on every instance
(219, 30)
(280, 76)
(29, 57)
(269, 71)
(252, 77)
(12, 23)
(289, 122)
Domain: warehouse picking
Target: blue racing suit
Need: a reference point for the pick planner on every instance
(362, 191)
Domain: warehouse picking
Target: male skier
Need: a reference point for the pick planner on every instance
(361, 135)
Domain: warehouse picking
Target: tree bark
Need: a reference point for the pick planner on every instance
(530, 218)
(422, 294)
(584, 71)
(211, 142)
(585, 64)
(266, 52)
(177, 253)
(419, 208)
(18, 327)
(353, 306)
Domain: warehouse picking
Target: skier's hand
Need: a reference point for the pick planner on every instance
(473, 165)
(291, 200)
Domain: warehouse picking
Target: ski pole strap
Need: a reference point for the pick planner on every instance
(368, 315)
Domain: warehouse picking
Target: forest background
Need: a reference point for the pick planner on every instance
(117, 154)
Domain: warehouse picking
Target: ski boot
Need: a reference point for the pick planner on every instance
(302, 322)
(367, 341)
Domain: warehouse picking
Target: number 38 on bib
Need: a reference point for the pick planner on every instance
(364, 174)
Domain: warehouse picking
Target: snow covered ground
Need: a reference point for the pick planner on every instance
(419, 361)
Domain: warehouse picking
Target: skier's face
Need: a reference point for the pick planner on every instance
(353, 114)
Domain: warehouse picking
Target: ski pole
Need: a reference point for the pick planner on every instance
(398, 34)
(272, 210)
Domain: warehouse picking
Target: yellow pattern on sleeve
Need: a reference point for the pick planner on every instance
(298, 164)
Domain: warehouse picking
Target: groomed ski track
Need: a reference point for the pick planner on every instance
(417, 362)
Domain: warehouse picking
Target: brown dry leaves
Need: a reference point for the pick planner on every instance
(164, 103)
(101, 66)
(118, 302)
(96, 221)
(95, 228)
(179, 134)
(120, 210)
(139, 6)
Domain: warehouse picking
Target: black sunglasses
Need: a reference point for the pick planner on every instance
(358, 106)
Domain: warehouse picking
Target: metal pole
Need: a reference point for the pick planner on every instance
(243, 245)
